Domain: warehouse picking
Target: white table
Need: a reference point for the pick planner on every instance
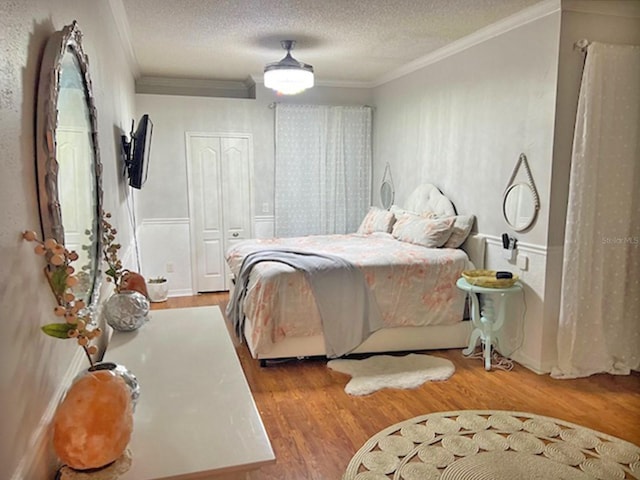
(195, 418)
(486, 323)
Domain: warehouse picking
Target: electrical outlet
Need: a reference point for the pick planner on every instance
(522, 261)
(169, 267)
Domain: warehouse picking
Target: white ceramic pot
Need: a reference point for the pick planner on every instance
(158, 291)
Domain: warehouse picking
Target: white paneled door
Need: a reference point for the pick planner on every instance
(220, 201)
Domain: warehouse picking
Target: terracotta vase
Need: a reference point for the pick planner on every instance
(93, 424)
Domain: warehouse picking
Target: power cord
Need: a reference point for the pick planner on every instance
(132, 221)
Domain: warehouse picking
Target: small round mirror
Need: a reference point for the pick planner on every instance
(386, 195)
(519, 206)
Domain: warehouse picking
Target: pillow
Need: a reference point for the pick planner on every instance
(397, 211)
(377, 220)
(460, 231)
(428, 232)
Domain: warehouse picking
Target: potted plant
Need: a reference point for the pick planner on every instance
(158, 289)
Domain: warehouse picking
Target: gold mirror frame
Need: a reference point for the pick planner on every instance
(67, 40)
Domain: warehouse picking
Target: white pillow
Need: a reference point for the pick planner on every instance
(461, 229)
(377, 220)
(428, 232)
(397, 211)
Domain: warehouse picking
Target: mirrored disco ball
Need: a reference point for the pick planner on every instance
(126, 311)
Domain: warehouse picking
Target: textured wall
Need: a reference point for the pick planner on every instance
(165, 195)
(33, 365)
(461, 124)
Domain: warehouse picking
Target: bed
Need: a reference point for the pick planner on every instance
(413, 285)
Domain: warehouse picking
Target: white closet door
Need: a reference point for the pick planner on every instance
(220, 199)
(75, 198)
(236, 192)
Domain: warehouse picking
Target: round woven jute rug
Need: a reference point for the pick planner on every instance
(492, 445)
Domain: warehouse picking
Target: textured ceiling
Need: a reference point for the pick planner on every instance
(346, 41)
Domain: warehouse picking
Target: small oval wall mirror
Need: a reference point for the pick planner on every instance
(387, 192)
(519, 207)
(386, 195)
(69, 168)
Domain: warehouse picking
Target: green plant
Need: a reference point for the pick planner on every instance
(60, 275)
(114, 272)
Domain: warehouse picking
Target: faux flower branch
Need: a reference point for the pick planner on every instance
(60, 274)
(115, 273)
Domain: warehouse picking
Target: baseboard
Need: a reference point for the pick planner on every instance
(181, 292)
(533, 365)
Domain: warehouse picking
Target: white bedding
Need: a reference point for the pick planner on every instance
(413, 285)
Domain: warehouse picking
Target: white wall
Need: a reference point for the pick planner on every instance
(162, 204)
(34, 366)
(462, 122)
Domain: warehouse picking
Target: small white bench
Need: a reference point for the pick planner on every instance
(196, 417)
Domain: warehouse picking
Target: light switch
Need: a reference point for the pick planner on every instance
(522, 261)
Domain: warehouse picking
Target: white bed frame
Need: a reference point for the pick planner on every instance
(400, 339)
(426, 198)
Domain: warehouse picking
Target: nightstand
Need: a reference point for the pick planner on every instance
(487, 322)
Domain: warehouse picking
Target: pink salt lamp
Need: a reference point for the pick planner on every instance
(92, 426)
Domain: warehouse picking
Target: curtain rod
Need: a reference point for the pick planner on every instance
(581, 45)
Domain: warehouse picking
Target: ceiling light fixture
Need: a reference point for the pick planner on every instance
(288, 76)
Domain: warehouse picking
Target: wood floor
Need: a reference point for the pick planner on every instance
(315, 427)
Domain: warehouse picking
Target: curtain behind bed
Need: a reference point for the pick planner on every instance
(322, 169)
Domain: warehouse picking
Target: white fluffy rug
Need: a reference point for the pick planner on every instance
(387, 371)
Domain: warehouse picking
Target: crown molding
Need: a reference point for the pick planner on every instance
(613, 8)
(124, 29)
(527, 15)
(196, 87)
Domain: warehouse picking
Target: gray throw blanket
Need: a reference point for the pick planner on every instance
(347, 308)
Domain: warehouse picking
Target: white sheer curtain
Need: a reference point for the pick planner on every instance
(322, 169)
(599, 330)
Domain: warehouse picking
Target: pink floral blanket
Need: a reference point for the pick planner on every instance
(413, 285)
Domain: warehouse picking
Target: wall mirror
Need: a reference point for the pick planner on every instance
(68, 158)
(387, 192)
(520, 203)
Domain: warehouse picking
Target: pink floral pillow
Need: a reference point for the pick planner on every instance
(462, 225)
(377, 220)
(428, 232)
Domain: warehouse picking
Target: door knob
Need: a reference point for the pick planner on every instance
(235, 234)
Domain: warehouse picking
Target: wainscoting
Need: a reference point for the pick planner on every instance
(531, 326)
(165, 250)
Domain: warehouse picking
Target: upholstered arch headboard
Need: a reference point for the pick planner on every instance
(427, 198)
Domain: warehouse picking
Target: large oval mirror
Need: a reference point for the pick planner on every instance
(69, 168)
(519, 206)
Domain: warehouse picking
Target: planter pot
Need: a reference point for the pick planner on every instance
(158, 291)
